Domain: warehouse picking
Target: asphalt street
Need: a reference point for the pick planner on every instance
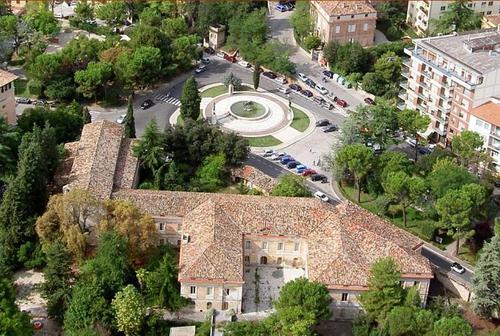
(444, 263)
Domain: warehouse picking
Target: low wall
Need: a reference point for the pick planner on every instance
(454, 285)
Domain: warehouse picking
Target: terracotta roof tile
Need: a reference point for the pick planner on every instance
(489, 112)
(333, 8)
(6, 77)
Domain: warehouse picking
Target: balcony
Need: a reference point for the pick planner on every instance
(401, 105)
(444, 109)
(407, 62)
(405, 73)
(404, 85)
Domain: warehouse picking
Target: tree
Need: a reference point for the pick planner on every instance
(139, 229)
(256, 76)
(150, 17)
(458, 17)
(312, 42)
(291, 185)
(409, 321)
(9, 142)
(141, 68)
(384, 291)
(113, 12)
(486, 281)
(84, 11)
(130, 310)
(455, 208)
(93, 78)
(57, 275)
(190, 100)
(413, 122)
(231, 79)
(185, 51)
(453, 326)
(150, 148)
(300, 20)
(356, 159)
(86, 117)
(467, 147)
(66, 219)
(209, 177)
(248, 33)
(174, 27)
(129, 121)
(374, 84)
(330, 52)
(446, 175)
(12, 320)
(351, 57)
(404, 190)
(43, 21)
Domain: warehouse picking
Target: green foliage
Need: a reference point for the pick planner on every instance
(232, 79)
(291, 185)
(86, 117)
(84, 11)
(312, 42)
(248, 33)
(94, 78)
(486, 281)
(30, 255)
(12, 321)
(209, 177)
(446, 175)
(56, 288)
(141, 68)
(129, 121)
(300, 20)
(113, 12)
(256, 76)
(9, 142)
(454, 326)
(150, 148)
(385, 80)
(350, 57)
(467, 147)
(330, 52)
(245, 328)
(190, 100)
(174, 27)
(458, 17)
(413, 122)
(43, 21)
(129, 309)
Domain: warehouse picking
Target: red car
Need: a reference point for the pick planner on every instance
(308, 172)
(341, 102)
(230, 58)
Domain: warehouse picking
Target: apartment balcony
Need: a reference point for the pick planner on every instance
(404, 85)
(405, 73)
(445, 109)
(496, 133)
(407, 62)
(424, 10)
(401, 105)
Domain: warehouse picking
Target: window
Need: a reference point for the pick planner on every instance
(345, 297)
(210, 291)
(338, 17)
(264, 245)
(352, 16)
(416, 283)
(247, 244)
(483, 3)
(162, 226)
(366, 15)
(297, 246)
(337, 29)
(162, 241)
(192, 289)
(365, 26)
(443, 8)
(226, 291)
(280, 246)
(488, 13)
(279, 260)
(351, 28)
(247, 259)
(490, 3)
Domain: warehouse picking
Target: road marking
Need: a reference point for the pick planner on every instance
(168, 100)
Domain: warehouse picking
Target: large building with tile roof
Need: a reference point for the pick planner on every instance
(220, 235)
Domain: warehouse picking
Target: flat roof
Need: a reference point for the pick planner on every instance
(454, 46)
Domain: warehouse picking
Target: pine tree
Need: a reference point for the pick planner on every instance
(129, 120)
(190, 100)
(256, 76)
(86, 117)
(486, 281)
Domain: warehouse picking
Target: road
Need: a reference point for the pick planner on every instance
(440, 260)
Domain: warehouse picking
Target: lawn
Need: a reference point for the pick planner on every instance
(263, 141)
(219, 90)
(248, 109)
(300, 120)
(21, 88)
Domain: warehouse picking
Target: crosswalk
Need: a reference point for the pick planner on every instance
(167, 99)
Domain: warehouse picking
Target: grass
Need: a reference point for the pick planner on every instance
(219, 90)
(263, 141)
(252, 110)
(300, 120)
(21, 88)
(180, 121)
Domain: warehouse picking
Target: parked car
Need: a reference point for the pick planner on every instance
(230, 58)
(328, 73)
(147, 104)
(269, 74)
(424, 150)
(292, 164)
(369, 101)
(308, 172)
(200, 69)
(329, 128)
(329, 106)
(221, 54)
(321, 89)
(295, 87)
(321, 196)
(377, 148)
(319, 177)
(302, 77)
(285, 159)
(210, 50)
(284, 90)
(310, 83)
(456, 267)
(281, 80)
(39, 102)
(300, 168)
(267, 152)
(322, 122)
(244, 64)
(22, 100)
(341, 102)
(411, 141)
(281, 8)
(205, 60)
(497, 184)
(306, 93)
(319, 100)
(121, 119)
(277, 156)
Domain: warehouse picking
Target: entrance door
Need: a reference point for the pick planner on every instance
(263, 260)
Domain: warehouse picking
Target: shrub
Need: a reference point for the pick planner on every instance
(30, 255)
(412, 214)
(427, 229)
(312, 42)
(393, 33)
(381, 205)
(35, 87)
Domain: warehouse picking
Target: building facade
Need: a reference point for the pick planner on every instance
(222, 236)
(446, 77)
(485, 120)
(421, 13)
(344, 21)
(7, 96)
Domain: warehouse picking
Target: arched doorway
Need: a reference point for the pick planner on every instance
(295, 262)
(225, 306)
(209, 305)
(263, 260)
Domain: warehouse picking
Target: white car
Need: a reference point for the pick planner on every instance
(121, 119)
(281, 80)
(321, 89)
(244, 64)
(284, 90)
(267, 152)
(411, 141)
(321, 196)
(456, 267)
(220, 54)
(277, 156)
(302, 77)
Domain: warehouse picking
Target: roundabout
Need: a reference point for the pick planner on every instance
(248, 110)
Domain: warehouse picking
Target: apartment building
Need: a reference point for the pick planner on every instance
(421, 13)
(485, 120)
(448, 76)
(7, 97)
(344, 21)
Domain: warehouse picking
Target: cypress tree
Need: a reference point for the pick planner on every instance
(256, 76)
(130, 120)
(190, 100)
(86, 117)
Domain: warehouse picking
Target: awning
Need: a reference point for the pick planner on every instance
(427, 132)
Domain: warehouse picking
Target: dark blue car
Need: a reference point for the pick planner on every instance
(328, 74)
(281, 8)
(284, 160)
(292, 164)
